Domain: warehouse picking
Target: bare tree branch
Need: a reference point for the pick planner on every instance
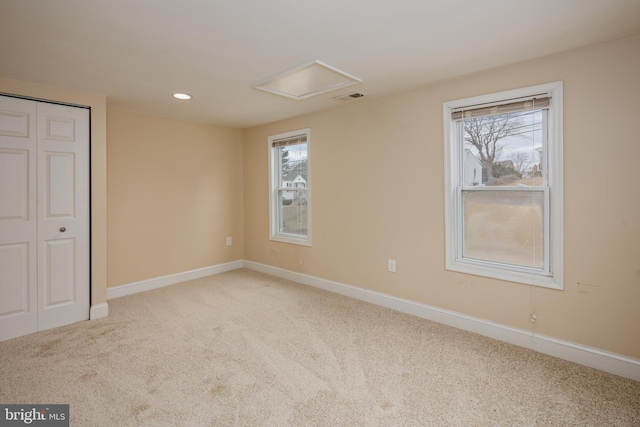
(521, 162)
(485, 132)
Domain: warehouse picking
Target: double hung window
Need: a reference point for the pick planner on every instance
(503, 195)
(290, 179)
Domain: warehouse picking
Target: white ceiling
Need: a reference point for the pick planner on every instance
(139, 52)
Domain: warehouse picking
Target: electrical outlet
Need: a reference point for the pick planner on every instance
(392, 265)
(229, 241)
(534, 318)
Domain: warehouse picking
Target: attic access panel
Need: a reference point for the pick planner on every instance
(307, 80)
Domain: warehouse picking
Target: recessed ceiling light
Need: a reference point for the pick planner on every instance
(307, 80)
(181, 96)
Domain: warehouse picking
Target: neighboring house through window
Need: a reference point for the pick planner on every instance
(290, 197)
(503, 185)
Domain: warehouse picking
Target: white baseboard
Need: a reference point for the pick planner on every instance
(172, 279)
(99, 310)
(584, 355)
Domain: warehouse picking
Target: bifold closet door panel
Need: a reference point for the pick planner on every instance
(63, 215)
(18, 218)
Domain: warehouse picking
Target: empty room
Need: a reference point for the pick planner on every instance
(354, 213)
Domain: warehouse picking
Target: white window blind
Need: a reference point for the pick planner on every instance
(284, 142)
(511, 106)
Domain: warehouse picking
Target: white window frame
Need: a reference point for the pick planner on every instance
(554, 212)
(275, 170)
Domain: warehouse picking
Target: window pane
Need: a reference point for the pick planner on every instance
(292, 212)
(504, 226)
(504, 149)
(293, 164)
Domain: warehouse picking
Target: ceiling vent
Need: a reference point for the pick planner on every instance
(349, 96)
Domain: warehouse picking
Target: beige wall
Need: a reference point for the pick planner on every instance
(177, 189)
(378, 191)
(98, 169)
(175, 194)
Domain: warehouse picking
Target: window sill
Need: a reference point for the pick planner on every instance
(541, 280)
(290, 239)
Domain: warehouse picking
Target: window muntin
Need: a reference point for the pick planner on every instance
(503, 185)
(290, 213)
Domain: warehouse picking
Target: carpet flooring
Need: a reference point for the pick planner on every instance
(247, 349)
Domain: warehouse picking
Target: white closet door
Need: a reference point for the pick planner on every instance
(63, 215)
(44, 216)
(18, 218)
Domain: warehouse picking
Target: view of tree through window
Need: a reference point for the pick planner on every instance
(507, 148)
(503, 195)
(293, 189)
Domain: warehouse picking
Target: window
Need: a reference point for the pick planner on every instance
(503, 185)
(290, 196)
